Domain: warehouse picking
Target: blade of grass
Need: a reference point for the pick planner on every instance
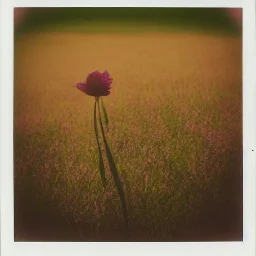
(115, 175)
(104, 113)
(101, 164)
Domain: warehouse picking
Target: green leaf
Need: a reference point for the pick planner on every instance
(101, 164)
(115, 175)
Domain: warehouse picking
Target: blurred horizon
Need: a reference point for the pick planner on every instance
(118, 19)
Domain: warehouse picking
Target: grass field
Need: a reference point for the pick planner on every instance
(175, 130)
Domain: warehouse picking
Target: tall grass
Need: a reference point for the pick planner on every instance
(175, 130)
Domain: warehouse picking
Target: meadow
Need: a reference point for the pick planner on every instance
(175, 130)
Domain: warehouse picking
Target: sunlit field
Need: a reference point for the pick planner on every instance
(175, 129)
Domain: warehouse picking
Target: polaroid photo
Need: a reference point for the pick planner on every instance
(128, 128)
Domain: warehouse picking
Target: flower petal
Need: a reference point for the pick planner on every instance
(97, 84)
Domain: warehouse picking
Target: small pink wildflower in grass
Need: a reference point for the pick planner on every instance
(98, 84)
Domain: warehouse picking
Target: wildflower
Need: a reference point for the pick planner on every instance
(97, 84)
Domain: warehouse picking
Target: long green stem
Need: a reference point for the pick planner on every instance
(115, 175)
(104, 112)
(101, 164)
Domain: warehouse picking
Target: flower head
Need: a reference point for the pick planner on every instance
(97, 84)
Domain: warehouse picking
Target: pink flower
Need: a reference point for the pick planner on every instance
(97, 84)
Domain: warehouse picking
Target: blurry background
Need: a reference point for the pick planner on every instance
(89, 19)
(175, 113)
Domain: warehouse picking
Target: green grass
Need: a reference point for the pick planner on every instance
(175, 131)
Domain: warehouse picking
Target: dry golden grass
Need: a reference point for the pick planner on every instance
(175, 128)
